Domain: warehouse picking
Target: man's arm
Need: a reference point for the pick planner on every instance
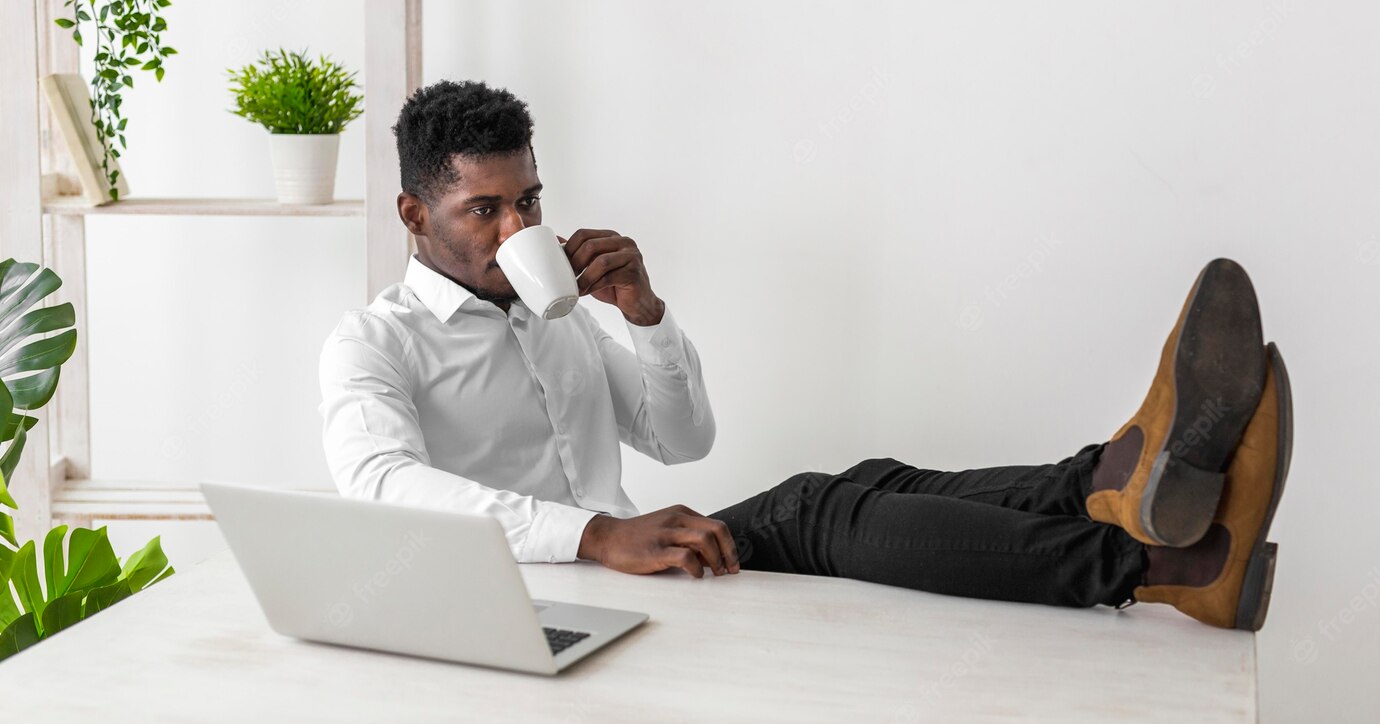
(659, 398)
(375, 449)
(661, 408)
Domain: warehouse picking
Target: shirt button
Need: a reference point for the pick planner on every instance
(579, 492)
(560, 430)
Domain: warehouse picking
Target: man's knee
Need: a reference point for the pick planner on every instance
(795, 494)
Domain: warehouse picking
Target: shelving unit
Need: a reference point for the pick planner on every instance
(53, 483)
(202, 207)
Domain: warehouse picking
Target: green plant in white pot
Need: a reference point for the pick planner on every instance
(305, 105)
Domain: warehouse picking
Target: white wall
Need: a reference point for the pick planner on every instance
(952, 234)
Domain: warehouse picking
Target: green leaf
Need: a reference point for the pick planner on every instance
(19, 635)
(13, 275)
(6, 562)
(53, 560)
(10, 428)
(64, 23)
(62, 612)
(91, 561)
(10, 459)
(24, 575)
(144, 567)
(34, 391)
(7, 529)
(104, 597)
(37, 321)
(39, 355)
(158, 73)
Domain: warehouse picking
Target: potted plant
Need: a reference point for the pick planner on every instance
(80, 573)
(305, 105)
(128, 35)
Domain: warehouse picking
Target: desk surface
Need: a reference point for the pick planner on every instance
(754, 646)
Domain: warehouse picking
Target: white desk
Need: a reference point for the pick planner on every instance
(751, 647)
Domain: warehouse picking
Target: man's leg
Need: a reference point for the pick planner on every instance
(872, 524)
(1055, 489)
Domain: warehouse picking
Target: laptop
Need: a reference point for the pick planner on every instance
(401, 579)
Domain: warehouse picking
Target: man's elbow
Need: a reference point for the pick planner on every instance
(691, 450)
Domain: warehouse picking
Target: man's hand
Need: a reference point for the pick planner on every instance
(674, 537)
(609, 266)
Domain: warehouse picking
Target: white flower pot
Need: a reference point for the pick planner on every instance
(304, 166)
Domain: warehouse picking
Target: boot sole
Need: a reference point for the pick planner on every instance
(1219, 375)
(1260, 572)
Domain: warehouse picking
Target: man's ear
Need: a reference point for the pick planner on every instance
(413, 213)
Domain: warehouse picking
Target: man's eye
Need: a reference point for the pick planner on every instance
(481, 211)
(532, 200)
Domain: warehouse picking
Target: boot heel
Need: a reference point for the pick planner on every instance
(1256, 588)
(1179, 501)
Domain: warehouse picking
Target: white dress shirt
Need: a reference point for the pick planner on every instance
(432, 397)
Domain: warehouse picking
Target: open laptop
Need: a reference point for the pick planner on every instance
(401, 579)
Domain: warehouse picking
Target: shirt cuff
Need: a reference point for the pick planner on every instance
(661, 343)
(555, 533)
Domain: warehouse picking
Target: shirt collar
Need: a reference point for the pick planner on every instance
(441, 295)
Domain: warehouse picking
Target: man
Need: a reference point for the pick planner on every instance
(447, 392)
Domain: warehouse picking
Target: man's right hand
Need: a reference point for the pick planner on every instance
(674, 537)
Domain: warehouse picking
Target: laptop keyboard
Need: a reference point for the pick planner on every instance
(560, 639)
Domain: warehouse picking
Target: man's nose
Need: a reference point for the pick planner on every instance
(512, 224)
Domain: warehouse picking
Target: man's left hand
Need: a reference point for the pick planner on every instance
(609, 267)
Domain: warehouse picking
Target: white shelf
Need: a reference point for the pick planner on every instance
(84, 501)
(135, 206)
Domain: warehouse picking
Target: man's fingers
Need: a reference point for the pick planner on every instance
(581, 257)
(683, 558)
(725, 539)
(603, 266)
(581, 236)
(704, 543)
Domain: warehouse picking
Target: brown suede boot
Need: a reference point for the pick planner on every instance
(1225, 580)
(1160, 477)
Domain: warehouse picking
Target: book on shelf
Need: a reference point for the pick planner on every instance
(70, 102)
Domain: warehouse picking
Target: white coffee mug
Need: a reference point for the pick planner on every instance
(538, 269)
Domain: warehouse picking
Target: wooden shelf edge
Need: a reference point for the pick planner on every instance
(99, 499)
(136, 206)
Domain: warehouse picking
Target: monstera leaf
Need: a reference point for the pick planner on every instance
(81, 574)
(28, 367)
(80, 579)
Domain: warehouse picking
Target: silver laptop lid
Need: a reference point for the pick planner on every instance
(382, 576)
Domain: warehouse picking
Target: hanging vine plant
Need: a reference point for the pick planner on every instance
(127, 36)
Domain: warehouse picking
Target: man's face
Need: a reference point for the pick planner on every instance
(494, 198)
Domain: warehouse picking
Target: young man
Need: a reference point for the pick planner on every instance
(447, 392)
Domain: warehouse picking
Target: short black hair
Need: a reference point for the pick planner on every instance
(448, 118)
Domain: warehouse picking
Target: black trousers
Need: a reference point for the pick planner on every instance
(1017, 533)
